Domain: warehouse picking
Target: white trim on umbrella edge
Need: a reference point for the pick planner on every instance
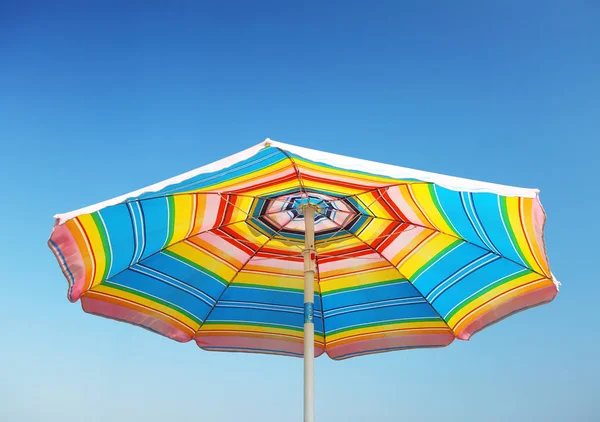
(349, 163)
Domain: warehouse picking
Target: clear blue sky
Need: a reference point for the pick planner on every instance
(99, 98)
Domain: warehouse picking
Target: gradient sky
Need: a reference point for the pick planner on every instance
(99, 98)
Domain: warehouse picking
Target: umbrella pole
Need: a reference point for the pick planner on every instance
(309, 326)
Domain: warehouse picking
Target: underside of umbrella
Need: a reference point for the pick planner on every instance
(401, 258)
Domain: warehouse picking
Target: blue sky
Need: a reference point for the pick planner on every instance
(99, 98)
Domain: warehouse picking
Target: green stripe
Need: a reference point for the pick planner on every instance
(435, 257)
(155, 300)
(105, 242)
(486, 290)
(172, 211)
(436, 202)
(301, 160)
(197, 266)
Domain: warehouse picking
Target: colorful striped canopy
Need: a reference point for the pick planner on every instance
(405, 258)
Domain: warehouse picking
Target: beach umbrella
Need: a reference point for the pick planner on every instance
(291, 251)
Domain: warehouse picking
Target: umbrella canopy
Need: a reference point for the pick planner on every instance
(402, 258)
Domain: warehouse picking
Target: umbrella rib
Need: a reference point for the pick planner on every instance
(386, 187)
(375, 216)
(240, 270)
(190, 236)
(399, 272)
(302, 187)
(385, 236)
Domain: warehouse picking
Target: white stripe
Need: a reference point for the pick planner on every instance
(243, 286)
(230, 322)
(260, 308)
(135, 234)
(268, 306)
(142, 230)
(365, 288)
(448, 220)
(477, 225)
(460, 274)
(173, 282)
(168, 223)
(368, 307)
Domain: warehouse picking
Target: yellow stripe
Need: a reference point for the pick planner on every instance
(371, 200)
(327, 246)
(91, 229)
(352, 176)
(182, 211)
(241, 328)
(103, 288)
(513, 211)
(255, 176)
(358, 265)
(267, 280)
(466, 309)
(242, 208)
(410, 202)
(202, 258)
(374, 229)
(357, 280)
(423, 255)
(269, 190)
(423, 195)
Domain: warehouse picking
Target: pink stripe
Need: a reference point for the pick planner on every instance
(209, 213)
(62, 236)
(268, 345)
(121, 313)
(537, 297)
(225, 248)
(392, 341)
(401, 242)
(407, 210)
(539, 219)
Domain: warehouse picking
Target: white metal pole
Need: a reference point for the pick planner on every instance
(309, 326)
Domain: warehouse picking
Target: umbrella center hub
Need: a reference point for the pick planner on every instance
(334, 216)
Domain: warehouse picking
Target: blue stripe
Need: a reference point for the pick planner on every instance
(262, 159)
(391, 313)
(155, 213)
